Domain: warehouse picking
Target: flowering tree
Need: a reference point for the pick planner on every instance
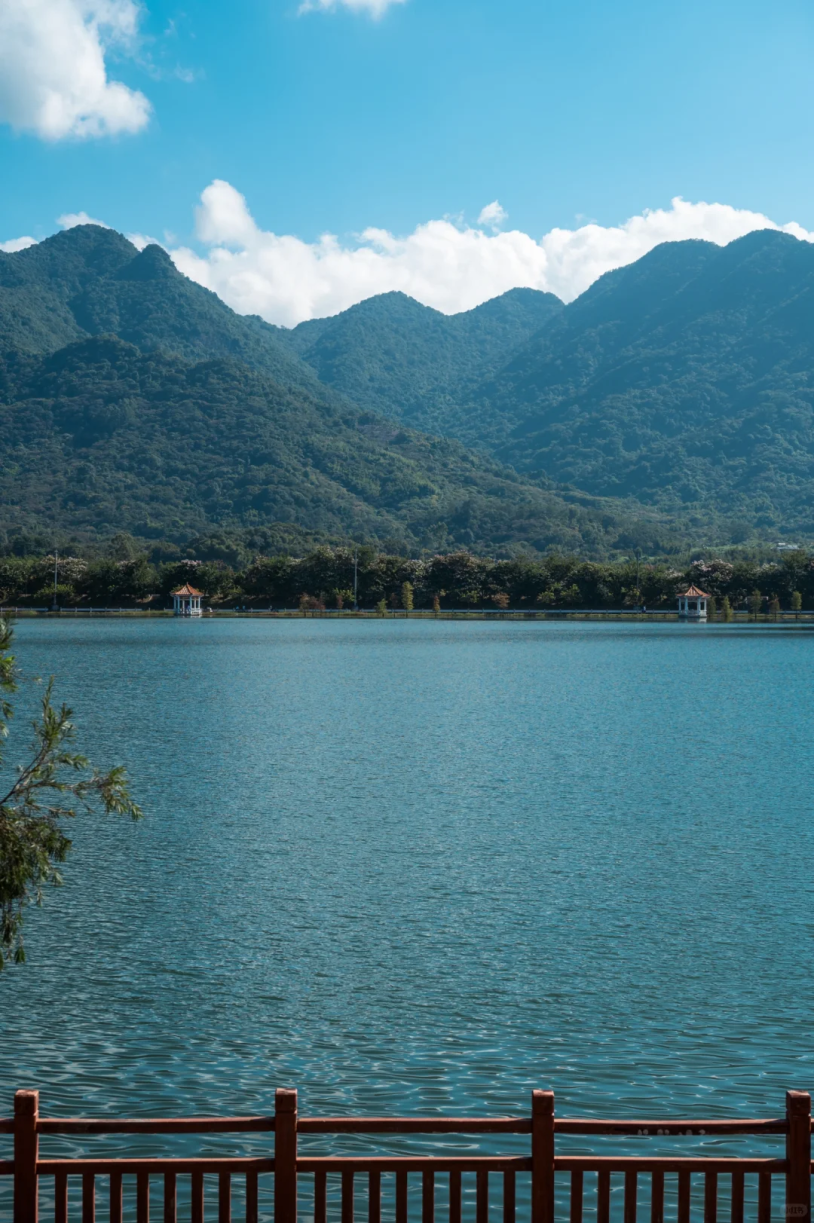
(38, 799)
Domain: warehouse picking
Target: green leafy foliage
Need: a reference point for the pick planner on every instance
(36, 802)
(89, 281)
(394, 356)
(324, 577)
(104, 438)
(685, 381)
(676, 393)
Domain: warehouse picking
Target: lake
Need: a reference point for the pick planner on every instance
(419, 867)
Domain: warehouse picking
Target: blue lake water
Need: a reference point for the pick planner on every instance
(419, 867)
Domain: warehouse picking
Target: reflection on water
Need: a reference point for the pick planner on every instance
(417, 867)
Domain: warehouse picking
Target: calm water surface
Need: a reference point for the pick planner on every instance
(411, 867)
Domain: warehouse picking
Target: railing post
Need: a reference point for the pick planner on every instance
(542, 1157)
(285, 1156)
(798, 1156)
(26, 1108)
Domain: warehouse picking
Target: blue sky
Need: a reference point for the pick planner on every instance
(337, 120)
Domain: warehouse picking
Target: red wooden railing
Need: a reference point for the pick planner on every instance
(542, 1165)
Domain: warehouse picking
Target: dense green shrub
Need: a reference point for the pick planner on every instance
(452, 580)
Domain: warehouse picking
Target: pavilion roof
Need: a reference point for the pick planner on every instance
(188, 590)
(693, 593)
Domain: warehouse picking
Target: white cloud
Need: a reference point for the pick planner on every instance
(492, 215)
(17, 244)
(445, 264)
(448, 266)
(576, 258)
(53, 76)
(69, 220)
(373, 8)
(141, 240)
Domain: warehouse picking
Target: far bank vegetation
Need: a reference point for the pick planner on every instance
(324, 578)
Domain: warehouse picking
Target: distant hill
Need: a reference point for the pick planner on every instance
(91, 281)
(133, 400)
(673, 401)
(685, 380)
(392, 355)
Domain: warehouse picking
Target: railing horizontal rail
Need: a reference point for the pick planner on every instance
(402, 1125)
(415, 1163)
(656, 1163)
(690, 1128)
(408, 1163)
(537, 1200)
(104, 1167)
(414, 1125)
(155, 1125)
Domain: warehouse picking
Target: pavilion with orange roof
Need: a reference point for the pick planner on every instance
(187, 601)
(692, 604)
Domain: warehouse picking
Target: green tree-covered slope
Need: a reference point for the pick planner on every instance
(675, 393)
(684, 379)
(392, 355)
(91, 281)
(132, 399)
(100, 437)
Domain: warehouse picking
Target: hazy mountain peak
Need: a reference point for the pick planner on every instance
(521, 296)
(396, 356)
(93, 246)
(152, 263)
(763, 239)
(392, 303)
(89, 280)
(683, 380)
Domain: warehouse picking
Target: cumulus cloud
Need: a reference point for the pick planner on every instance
(53, 75)
(448, 266)
(17, 244)
(373, 8)
(141, 240)
(69, 220)
(445, 264)
(492, 215)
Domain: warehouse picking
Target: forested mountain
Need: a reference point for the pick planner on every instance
(110, 421)
(676, 394)
(91, 281)
(102, 438)
(685, 380)
(392, 355)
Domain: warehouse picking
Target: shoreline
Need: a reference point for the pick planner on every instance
(740, 619)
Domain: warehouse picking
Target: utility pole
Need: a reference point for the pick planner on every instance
(355, 578)
(638, 587)
(56, 578)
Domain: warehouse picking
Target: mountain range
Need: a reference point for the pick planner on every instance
(135, 400)
(684, 380)
(670, 404)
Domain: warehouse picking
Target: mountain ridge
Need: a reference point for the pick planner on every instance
(674, 398)
(684, 380)
(393, 355)
(92, 281)
(133, 399)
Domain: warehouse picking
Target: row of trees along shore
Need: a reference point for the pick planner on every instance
(324, 578)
